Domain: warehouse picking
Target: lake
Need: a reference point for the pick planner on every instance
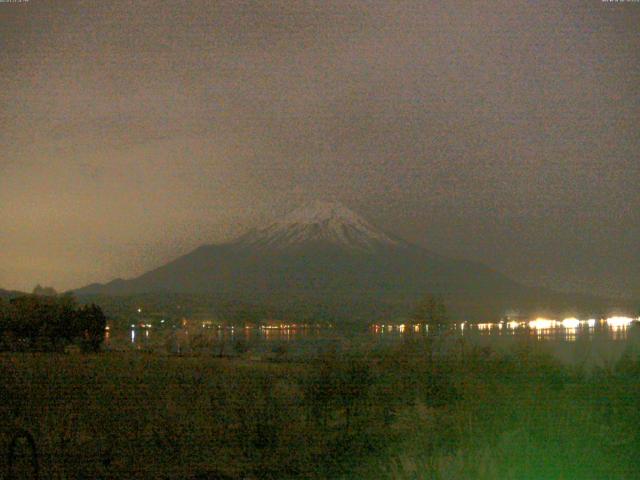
(573, 341)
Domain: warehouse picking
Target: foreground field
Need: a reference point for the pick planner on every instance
(411, 412)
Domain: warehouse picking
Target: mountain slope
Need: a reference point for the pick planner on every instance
(323, 253)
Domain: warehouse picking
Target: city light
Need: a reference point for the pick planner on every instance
(542, 324)
(619, 321)
(571, 322)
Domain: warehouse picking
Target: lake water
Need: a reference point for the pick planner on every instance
(573, 341)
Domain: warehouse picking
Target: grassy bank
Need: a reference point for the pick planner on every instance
(398, 413)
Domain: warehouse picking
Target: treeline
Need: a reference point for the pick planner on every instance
(50, 323)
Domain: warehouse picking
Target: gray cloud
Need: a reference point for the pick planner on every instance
(504, 132)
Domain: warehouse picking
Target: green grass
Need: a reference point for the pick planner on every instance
(401, 413)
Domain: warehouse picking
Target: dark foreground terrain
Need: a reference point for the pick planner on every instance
(416, 411)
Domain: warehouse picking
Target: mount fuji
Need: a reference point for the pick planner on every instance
(324, 254)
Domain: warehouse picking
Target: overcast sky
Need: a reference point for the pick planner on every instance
(502, 131)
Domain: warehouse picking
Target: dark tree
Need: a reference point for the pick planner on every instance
(37, 322)
(91, 324)
(432, 311)
(44, 291)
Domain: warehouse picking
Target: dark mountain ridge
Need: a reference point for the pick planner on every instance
(9, 294)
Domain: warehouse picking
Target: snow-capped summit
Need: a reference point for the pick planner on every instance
(320, 222)
(319, 211)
